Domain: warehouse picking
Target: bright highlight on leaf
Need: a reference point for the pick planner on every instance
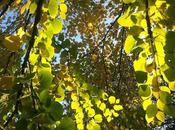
(63, 8)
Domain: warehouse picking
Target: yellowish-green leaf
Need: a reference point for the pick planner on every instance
(33, 7)
(160, 116)
(125, 19)
(165, 89)
(63, 8)
(146, 103)
(75, 105)
(112, 99)
(91, 112)
(102, 106)
(57, 25)
(98, 118)
(129, 44)
(172, 86)
(149, 119)
(151, 110)
(33, 58)
(118, 107)
(53, 8)
(128, 1)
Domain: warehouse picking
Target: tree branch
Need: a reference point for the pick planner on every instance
(26, 58)
(5, 8)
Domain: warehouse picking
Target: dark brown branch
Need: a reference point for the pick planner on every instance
(8, 62)
(26, 58)
(5, 8)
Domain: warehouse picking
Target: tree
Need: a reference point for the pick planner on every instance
(94, 64)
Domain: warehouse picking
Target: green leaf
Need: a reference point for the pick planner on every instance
(151, 110)
(170, 110)
(66, 124)
(170, 41)
(129, 44)
(141, 76)
(145, 90)
(56, 110)
(45, 78)
(63, 8)
(165, 97)
(53, 8)
(22, 124)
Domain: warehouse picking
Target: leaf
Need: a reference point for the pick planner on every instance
(57, 25)
(53, 8)
(129, 44)
(75, 105)
(145, 91)
(12, 43)
(33, 58)
(102, 106)
(45, 78)
(112, 99)
(60, 93)
(91, 112)
(6, 82)
(170, 110)
(141, 76)
(128, 1)
(172, 86)
(98, 118)
(66, 124)
(63, 8)
(146, 103)
(33, 7)
(165, 97)
(56, 110)
(125, 19)
(151, 110)
(149, 119)
(160, 105)
(160, 116)
(118, 107)
(165, 89)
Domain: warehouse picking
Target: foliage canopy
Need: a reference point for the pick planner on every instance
(86, 64)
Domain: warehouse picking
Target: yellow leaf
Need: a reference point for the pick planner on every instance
(129, 44)
(160, 116)
(91, 112)
(118, 107)
(63, 8)
(107, 112)
(75, 105)
(111, 99)
(53, 8)
(102, 106)
(165, 89)
(33, 58)
(125, 19)
(146, 103)
(172, 86)
(98, 118)
(149, 119)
